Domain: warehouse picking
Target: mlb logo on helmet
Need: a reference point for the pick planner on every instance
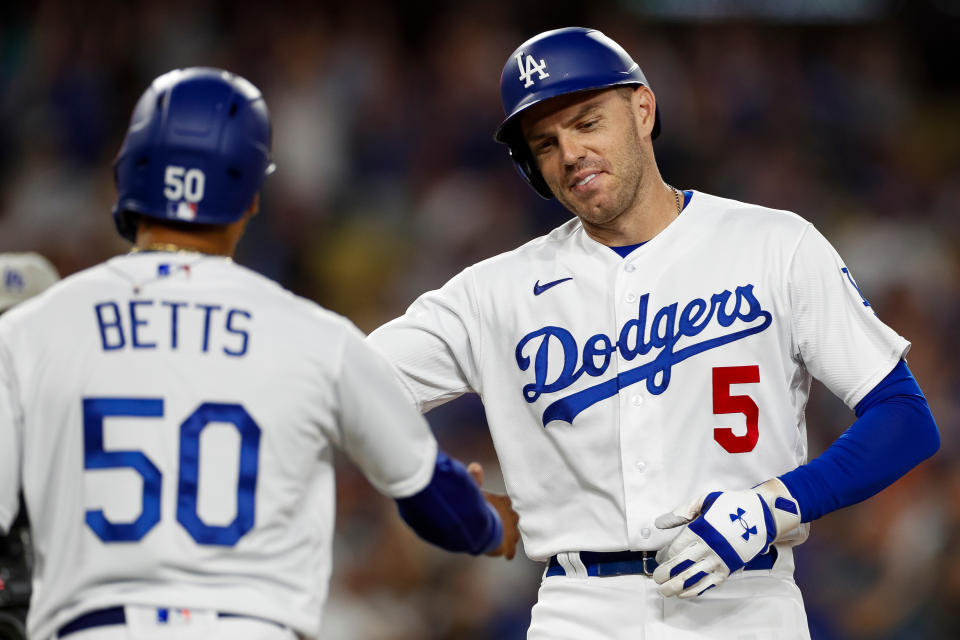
(182, 210)
(173, 616)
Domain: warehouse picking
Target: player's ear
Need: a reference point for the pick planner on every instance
(644, 106)
(254, 207)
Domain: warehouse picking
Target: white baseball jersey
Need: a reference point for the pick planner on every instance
(172, 418)
(619, 388)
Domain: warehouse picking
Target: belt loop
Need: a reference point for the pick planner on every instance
(572, 564)
(579, 567)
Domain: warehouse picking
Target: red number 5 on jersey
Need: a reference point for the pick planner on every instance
(723, 402)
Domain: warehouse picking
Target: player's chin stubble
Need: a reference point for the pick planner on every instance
(603, 208)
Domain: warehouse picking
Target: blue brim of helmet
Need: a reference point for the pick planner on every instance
(508, 130)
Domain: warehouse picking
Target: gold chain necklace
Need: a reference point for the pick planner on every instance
(164, 246)
(676, 196)
(167, 247)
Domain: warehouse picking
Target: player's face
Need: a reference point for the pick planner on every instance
(588, 148)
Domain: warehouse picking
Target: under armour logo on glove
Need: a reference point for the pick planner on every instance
(719, 541)
(747, 530)
(724, 531)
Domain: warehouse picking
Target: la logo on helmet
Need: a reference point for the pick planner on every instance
(526, 74)
(13, 280)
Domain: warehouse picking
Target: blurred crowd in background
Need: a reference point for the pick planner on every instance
(389, 182)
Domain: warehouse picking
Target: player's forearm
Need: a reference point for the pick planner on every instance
(451, 512)
(894, 432)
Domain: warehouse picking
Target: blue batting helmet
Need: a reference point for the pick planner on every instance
(555, 63)
(197, 150)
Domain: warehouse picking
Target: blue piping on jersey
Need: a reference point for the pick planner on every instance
(625, 250)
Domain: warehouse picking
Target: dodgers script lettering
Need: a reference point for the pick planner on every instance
(636, 338)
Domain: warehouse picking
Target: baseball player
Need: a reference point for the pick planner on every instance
(171, 416)
(22, 276)
(645, 366)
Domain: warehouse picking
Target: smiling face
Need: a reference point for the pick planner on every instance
(593, 149)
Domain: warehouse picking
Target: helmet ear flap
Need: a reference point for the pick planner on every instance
(527, 167)
(126, 224)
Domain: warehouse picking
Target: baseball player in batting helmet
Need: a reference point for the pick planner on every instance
(171, 416)
(645, 367)
(22, 276)
(182, 162)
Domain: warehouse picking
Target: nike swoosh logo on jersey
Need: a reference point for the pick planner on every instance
(540, 288)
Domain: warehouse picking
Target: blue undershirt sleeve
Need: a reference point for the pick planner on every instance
(451, 512)
(894, 432)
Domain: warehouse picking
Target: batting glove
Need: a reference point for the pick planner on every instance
(724, 531)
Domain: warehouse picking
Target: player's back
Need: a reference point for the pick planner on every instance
(177, 412)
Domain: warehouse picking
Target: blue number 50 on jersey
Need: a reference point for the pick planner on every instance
(95, 457)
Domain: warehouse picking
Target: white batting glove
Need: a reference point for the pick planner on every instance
(723, 532)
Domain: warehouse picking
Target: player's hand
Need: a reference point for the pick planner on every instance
(723, 532)
(509, 517)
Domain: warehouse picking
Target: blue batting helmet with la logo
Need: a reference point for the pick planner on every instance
(555, 63)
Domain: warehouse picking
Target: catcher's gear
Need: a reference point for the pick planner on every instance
(725, 531)
(197, 150)
(556, 63)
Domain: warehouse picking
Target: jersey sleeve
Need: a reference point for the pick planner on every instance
(9, 445)
(380, 430)
(837, 336)
(433, 345)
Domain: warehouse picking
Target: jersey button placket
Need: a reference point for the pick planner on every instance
(641, 422)
(637, 435)
(632, 422)
(639, 432)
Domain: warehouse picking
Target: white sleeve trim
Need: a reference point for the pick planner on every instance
(874, 379)
(417, 482)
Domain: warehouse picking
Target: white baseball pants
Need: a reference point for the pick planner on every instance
(750, 606)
